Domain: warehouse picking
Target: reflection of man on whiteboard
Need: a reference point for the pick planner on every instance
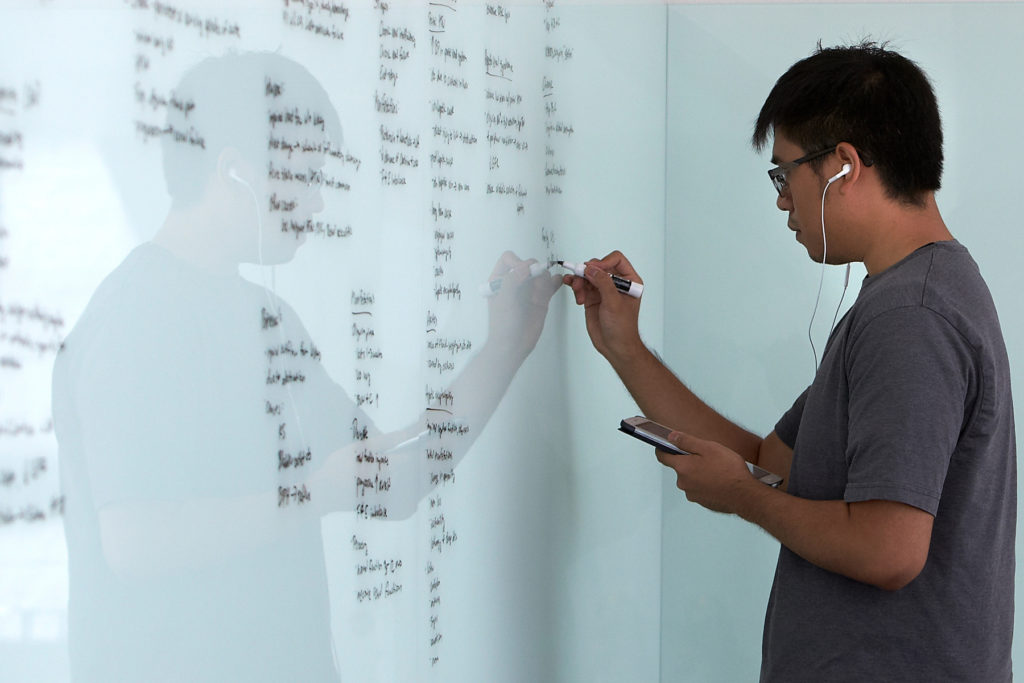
(201, 439)
(898, 519)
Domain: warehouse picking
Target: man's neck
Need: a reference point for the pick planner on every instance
(192, 235)
(900, 230)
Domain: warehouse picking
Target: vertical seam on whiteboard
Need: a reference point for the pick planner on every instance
(664, 312)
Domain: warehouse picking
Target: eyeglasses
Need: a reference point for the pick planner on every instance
(778, 174)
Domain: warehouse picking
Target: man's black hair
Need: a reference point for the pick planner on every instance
(871, 97)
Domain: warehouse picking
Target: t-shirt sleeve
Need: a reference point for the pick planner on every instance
(789, 424)
(134, 428)
(909, 373)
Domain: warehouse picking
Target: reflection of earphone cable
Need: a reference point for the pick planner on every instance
(271, 295)
(259, 236)
(821, 280)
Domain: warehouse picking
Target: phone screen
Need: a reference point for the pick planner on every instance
(650, 432)
(657, 435)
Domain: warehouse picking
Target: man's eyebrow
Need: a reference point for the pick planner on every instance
(774, 160)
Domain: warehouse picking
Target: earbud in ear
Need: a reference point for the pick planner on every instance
(233, 174)
(846, 169)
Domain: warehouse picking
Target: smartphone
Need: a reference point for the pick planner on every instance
(657, 435)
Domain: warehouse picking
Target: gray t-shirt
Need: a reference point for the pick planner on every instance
(912, 404)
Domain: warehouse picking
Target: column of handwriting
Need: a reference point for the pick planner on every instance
(377, 578)
(505, 118)
(452, 182)
(16, 319)
(379, 574)
(323, 19)
(26, 486)
(399, 145)
(12, 146)
(30, 337)
(16, 100)
(159, 30)
(399, 156)
(373, 467)
(288, 365)
(557, 128)
(450, 135)
(299, 147)
(380, 577)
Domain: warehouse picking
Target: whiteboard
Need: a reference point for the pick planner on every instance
(550, 130)
(275, 400)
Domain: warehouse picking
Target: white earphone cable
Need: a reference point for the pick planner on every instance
(821, 281)
(270, 291)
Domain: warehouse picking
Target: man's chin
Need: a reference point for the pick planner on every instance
(281, 253)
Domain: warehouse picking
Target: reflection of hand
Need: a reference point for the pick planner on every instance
(612, 319)
(517, 311)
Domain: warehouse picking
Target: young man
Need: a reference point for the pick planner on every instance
(897, 520)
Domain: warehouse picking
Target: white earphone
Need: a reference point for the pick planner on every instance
(846, 169)
(233, 174)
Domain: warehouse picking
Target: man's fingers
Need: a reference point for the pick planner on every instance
(601, 281)
(506, 262)
(686, 442)
(618, 264)
(668, 459)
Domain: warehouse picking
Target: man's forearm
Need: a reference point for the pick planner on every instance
(881, 543)
(663, 398)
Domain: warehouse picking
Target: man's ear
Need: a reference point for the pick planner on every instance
(851, 163)
(231, 168)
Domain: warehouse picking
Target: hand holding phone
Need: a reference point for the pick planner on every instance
(657, 435)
